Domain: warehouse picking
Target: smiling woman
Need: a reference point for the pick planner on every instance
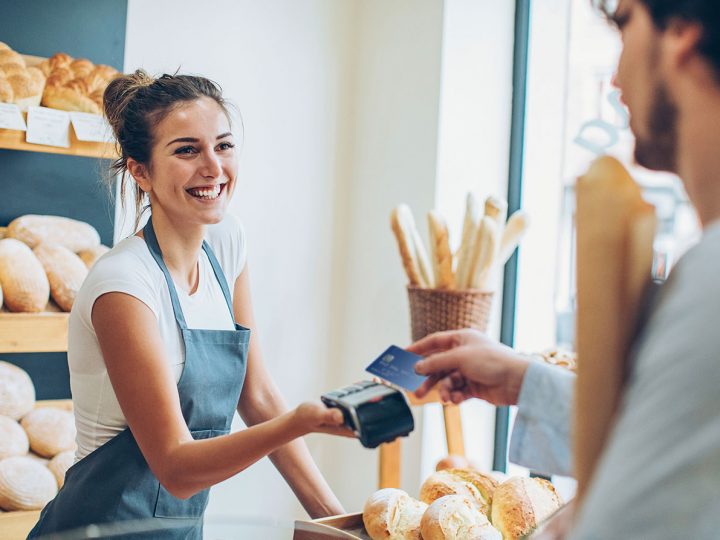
(160, 353)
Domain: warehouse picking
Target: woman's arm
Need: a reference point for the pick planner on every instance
(143, 382)
(261, 401)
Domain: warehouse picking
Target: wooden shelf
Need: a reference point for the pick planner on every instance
(33, 332)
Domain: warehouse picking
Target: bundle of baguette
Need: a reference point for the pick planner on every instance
(75, 84)
(487, 241)
(19, 84)
(43, 257)
(37, 445)
(461, 504)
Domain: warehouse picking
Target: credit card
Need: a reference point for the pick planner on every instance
(397, 366)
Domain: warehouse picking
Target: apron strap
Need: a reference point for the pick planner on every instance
(220, 276)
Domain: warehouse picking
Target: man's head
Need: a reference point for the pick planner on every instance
(660, 40)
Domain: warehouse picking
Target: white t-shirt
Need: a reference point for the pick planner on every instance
(130, 268)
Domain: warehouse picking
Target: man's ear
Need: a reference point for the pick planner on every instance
(140, 173)
(682, 39)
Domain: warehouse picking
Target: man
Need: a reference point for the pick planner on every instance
(659, 476)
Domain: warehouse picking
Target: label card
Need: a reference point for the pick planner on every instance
(48, 126)
(90, 127)
(11, 117)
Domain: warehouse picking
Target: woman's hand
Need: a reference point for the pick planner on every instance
(468, 364)
(314, 417)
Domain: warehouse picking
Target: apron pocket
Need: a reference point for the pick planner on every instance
(169, 506)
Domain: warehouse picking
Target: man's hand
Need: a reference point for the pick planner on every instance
(467, 364)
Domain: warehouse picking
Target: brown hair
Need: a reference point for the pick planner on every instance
(136, 102)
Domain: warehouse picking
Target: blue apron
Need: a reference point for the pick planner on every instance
(114, 483)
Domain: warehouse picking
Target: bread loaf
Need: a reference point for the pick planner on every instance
(69, 99)
(90, 256)
(403, 226)
(25, 484)
(71, 233)
(391, 514)
(454, 461)
(464, 254)
(440, 249)
(17, 393)
(520, 504)
(60, 464)
(473, 485)
(25, 285)
(454, 517)
(6, 91)
(37, 459)
(13, 440)
(50, 431)
(65, 272)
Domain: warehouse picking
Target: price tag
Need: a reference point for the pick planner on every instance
(10, 117)
(48, 126)
(90, 127)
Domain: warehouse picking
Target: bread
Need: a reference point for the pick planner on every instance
(515, 229)
(426, 269)
(484, 254)
(472, 218)
(4, 46)
(440, 249)
(25, 285)
(75, 84)
(106, 72)
(8, 56)
(1, 297)
(12, 68)
(7, 95)
(90, 256)
(37, 459)
(474, 485)
(403, 224)
(391, 514)
(65, 272)
(58, 60)
(25, 485)
(521, 503)
(17, 393)
(454, 517)
(453, 462)
(50, 431)
(38, 80)
(13, 440)
(67, 99)
(35, 229)
(82, 67)
(495, 208)
(60, 464)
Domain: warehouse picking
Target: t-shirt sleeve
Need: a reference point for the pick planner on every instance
(228, 242)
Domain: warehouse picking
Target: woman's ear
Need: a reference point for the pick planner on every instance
(140, 173)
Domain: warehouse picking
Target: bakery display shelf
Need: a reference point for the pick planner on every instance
(34, 332)
(346, 526)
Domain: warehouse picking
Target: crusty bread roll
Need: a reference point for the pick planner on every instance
(65, 271)
(454, 461)
(391, 514)
(50, 431)
(440, 249)
(38, 459)
(521, 503)
(90, 256)
(17, 393)
(35, 229)
(25, 484)
(25, 285)
(13, 439)
(454, 517)
(60, 464)
(474, 485)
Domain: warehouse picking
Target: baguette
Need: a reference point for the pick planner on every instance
(440, 249)
(402, 225)
(71, 233)
(484, 252)
(65, 272)
(464, 254)
(495, 208)
(25, 285)
(426, 270)
(516, 227)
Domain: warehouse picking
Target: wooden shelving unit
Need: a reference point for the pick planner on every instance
(33, 332)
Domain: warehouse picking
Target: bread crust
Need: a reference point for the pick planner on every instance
(65, 272)
(469, 483)
(391, 514)
(440, 249)
(454, 517)
(520, 504)
(25, 484)
(25, 285)
(402, 226)
(50, 431)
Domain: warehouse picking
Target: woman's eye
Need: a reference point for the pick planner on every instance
(226, 146)
(185, 150)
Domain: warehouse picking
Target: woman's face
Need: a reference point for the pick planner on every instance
(193, 164)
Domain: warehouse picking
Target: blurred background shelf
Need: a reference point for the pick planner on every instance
(11, 139)
(33, 332)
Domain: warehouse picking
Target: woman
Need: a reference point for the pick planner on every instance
(156, 352)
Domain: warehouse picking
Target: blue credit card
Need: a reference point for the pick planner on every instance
(397, 366)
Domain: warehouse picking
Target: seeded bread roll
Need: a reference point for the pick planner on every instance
(25, 484)
(17, 393)
(13, 440)
(50, 431)
(471, 484)
(90, 256)
(60, 464)
(25, 285)
(391, 514)
(520, 504)
(71, 233)
(65, 271)
(454, 517)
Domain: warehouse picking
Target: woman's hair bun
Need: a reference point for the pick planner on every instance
(119, 93)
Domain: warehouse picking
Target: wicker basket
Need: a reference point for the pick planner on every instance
(435, 310)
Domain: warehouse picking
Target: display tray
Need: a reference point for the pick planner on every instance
(345, 526)
(46, 331)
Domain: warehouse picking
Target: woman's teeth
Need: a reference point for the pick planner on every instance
(205, 193)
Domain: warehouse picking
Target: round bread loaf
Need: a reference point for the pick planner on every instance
(17, 393)
(65, 272)
(60, 464)
(469, 483)
(454, 517)
(25, 484)
(50, 431)
(454, 461)
(38, 459)
(521, 503)
(391, 514)
(71, 233)
(25, 285)
(13, 439)
(90, 256)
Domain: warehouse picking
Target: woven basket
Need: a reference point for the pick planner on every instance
(435, 310)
